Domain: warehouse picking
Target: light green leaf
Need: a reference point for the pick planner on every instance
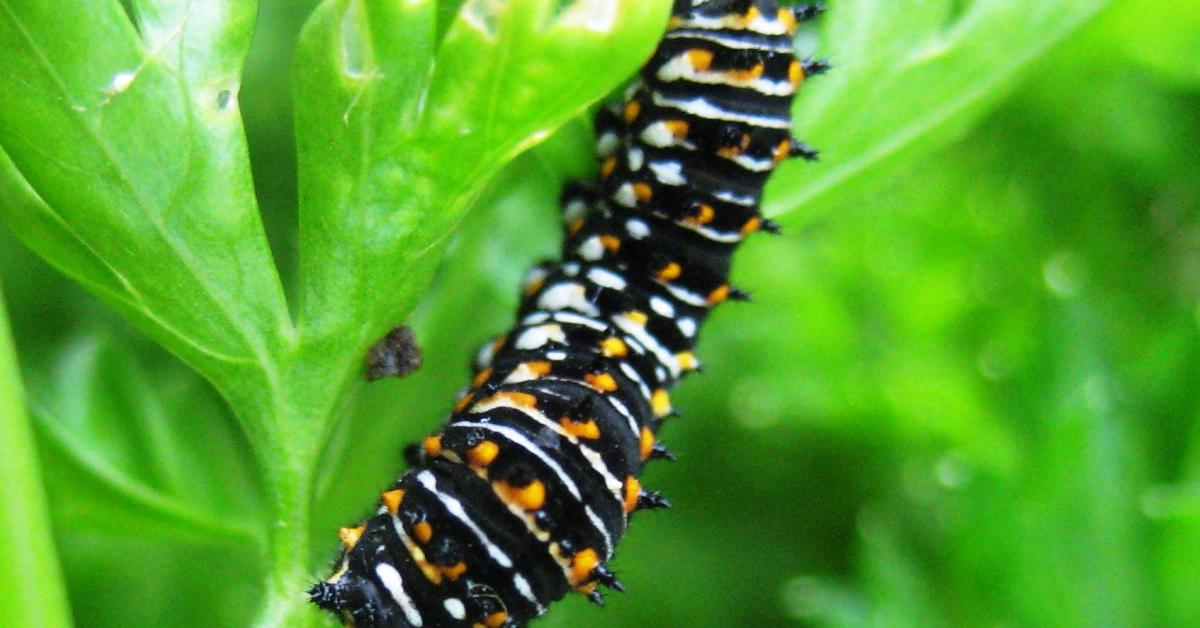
(907, 77)
(396, 138)
(28, 559)
(131, 453)
(138, 182)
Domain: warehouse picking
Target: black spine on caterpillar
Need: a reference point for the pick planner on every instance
(523, 494)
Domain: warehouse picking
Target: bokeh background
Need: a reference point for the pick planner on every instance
(965, 393)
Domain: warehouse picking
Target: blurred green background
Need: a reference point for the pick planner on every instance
(965, 393)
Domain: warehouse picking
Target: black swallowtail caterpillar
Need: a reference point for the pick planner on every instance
(522, 495)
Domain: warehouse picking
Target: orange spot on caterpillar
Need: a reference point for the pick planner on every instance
(678, 128)
(587, 431)
(481, 377)
(686, 359)
(669, 272)
(633, 488)
(454, 571)
(433, 446)
(701, 214)
(782, 151)
(614, 347)
(751, 225)
(529, 497)
(661, 404)
(632, 110)
(789, 20)
(796, 73)
(601, 381)
(700, 59)
(525, 400)
(535, 285)
(607, 168)
(718, 295)
(643, 192)
(646, 443)
(637, 317)
(483, 454)
(541, 368)
(582, 564)
(749, 74)
(350, 536)
(611, 243)
(391, 500)
(423, 531)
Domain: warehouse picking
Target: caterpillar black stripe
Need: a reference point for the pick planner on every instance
(523, 494)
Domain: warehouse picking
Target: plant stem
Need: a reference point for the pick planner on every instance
(288, 550)
(297, 411)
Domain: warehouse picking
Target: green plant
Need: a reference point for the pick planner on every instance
(125, 166)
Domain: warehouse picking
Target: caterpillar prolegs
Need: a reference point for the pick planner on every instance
(522, 495)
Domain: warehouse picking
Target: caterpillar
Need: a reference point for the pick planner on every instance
(521, 497)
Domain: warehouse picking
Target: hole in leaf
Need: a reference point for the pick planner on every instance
(223, 99)
(482, 15)
(594, 15)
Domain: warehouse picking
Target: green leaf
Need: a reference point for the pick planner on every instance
(1162, 35)
(908, 77)
(131, 454)
(127, 169)
(28, 558)
(397, 134)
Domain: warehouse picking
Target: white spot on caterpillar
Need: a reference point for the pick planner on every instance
(607, 144)
(625, 196)
(734, 41)
(681, 68)
(395, 586)
(687, 326)
(731, 21)
(539, 336)
(662, 307)
(520, 374)
(534, 275)
(574, 210)
(623, 411)
(658, 134)
(524, 589)
(567, 296)
(571, 318)
(591, 249)
(636, 158)
(730, 197)
(637, 229)
(455, 508)
(701, 108)
(606, 279)
(632, 374)
(455, 607)
(639, 332)
(668, 172)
